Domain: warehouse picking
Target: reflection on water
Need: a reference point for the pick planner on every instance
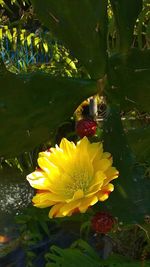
(14, 197)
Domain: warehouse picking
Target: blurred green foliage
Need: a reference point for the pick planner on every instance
(80, 251)
(108, 42)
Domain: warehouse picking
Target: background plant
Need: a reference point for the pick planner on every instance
(114, 63)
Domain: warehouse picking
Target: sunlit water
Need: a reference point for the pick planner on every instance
(15, 195)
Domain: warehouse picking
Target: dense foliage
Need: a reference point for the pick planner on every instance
(73, 53)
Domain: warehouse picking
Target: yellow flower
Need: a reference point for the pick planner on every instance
(72, 177)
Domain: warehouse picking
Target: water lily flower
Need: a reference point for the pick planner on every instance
(71, 177)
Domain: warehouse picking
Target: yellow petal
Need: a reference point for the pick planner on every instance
(59, 159)
(60, 184)
(94, 150)
(102, 164)
(44, 164)
(84, 166)
(103, 194)
(45, 154)
(106, 155)
(98, 178)
(38, 180)
(93, 190)
(99, 154)
(41, 200)
(51, 171)
(78, 194)
(67, 147)
(69, 207)
(86, 148)
(82, 154)
(102, 197)
(55, 211)
(96, 183)
(63, 209)
(83, 143)
(108, 188)
(111, 174)
(87, 202)
(56, 198)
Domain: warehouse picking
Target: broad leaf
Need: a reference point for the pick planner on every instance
(130, 199)
(32, 106)
(129, 80)
(81, 25)
(126, 13)
(79, 252)
(117, 260)
(139, 140)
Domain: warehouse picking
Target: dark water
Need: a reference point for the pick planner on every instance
(15, 195)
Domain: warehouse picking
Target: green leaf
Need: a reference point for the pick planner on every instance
(117, 260)
(81, 251)
(2, 66)
(126, 13)
(73, 256)
(82, 26)
(84, 246)
(32, 106)
(139, 140)
(131, 188)
(129, 80)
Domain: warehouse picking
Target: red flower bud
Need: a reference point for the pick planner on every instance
(102, 222)
(86, 127)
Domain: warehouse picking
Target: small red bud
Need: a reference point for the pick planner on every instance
(102, 222)
(86, 127)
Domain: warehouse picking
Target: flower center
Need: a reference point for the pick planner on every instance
(80, 180)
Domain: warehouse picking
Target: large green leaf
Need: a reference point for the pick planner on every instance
(139, 140)
(33, 105)
(80, 251)
(126, 13)
(129, 79)
(130, 199)
(81, 25)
